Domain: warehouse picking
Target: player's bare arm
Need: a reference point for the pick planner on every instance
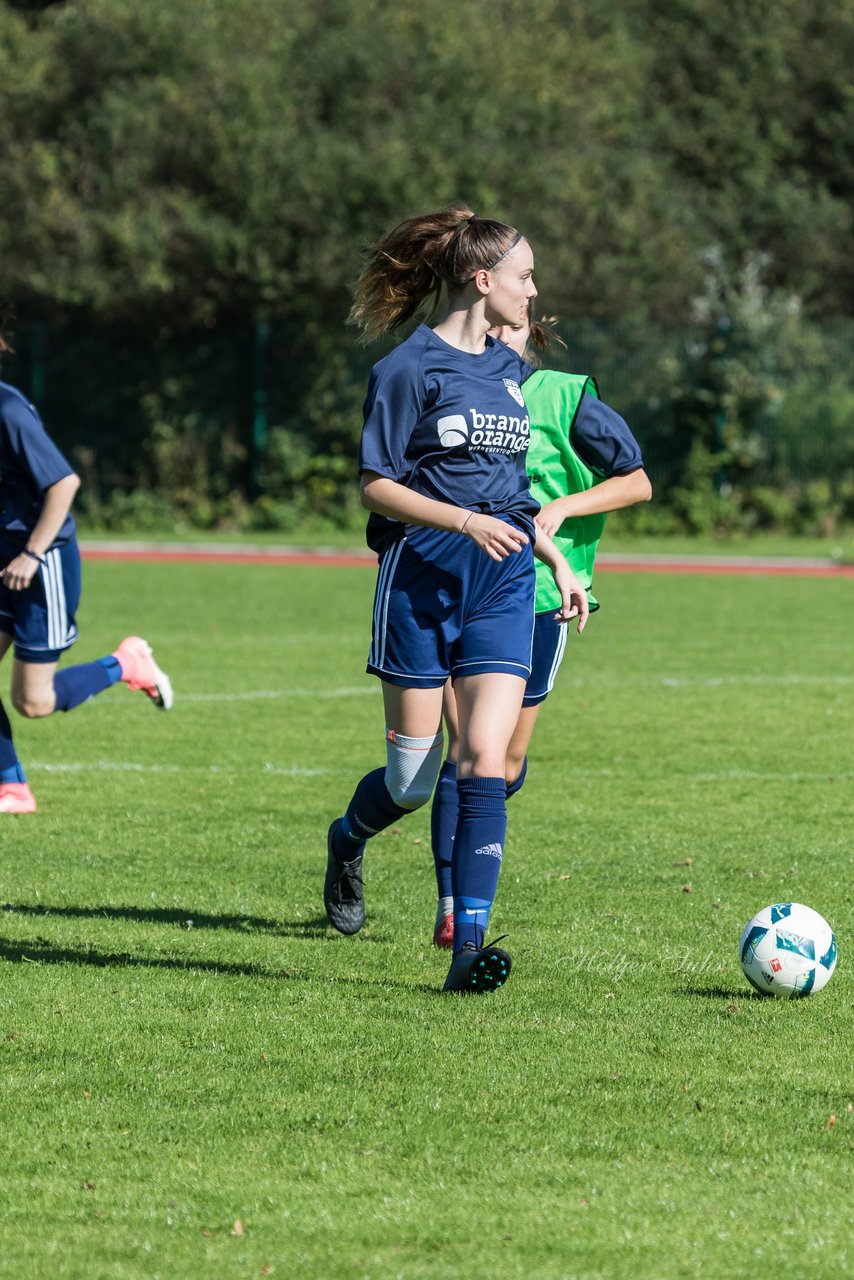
(609, 495)
(389, 498)
(19, 573)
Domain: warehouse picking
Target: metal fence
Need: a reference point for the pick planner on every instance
(783, 406)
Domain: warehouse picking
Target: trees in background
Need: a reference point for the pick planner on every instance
(209, 166)
(226, 157)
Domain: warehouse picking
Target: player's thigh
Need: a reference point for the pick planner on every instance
(452, 721)
(414, 713)
(32, 687)
(488, 706)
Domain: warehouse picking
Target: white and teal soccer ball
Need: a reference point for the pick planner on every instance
(787, 950)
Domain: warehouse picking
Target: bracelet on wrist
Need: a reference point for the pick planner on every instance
(465, 522)
(34, 555)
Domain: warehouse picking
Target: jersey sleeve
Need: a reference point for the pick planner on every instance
(603, 441)
(392, 410)
(32, 448)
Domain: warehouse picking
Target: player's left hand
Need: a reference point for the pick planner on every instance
(574, 598)
(19, 573)
(550, 517)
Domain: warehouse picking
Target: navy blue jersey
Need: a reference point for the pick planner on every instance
(450, 425)
(603, 440)
(29, 464)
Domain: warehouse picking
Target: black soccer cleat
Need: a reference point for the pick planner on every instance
(478, 969)
(342, 889)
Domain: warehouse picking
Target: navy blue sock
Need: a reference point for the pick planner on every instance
(443, 824)
(478, 850)
(10, 765)
(370, 811)
(76, 684)
(519, 781)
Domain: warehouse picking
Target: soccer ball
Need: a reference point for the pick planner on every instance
(787, 950)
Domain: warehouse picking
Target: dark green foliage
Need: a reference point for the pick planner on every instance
(229, 158)
(175, 175)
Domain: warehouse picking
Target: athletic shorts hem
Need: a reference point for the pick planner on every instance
(405, 681)
(490, 666)
(43, 656)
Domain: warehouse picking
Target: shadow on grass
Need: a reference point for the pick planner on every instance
(184, 917)
(720, 993)
(40, 951)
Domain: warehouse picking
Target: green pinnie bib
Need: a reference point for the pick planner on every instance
(555, 470)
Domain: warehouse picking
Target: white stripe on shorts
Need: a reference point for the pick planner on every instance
(57, 614)
(388, 564)
(563, 632)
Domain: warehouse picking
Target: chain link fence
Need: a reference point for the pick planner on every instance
(236, 415)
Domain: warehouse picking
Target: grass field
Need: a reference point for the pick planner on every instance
(201, 1080)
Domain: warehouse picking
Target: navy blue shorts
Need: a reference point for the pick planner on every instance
(41, 619)
(444, 607)
(549, 647)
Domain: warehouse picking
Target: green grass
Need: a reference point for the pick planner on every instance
(185, 1044)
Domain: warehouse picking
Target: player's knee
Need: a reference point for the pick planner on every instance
(32, 706)
(486, 763)
(412, 767)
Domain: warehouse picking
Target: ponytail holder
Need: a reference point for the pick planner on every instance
(34, 556)
(473, 218)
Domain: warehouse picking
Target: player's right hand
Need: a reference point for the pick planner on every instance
(19, 573)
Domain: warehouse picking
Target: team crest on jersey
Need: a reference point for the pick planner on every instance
(513, 388)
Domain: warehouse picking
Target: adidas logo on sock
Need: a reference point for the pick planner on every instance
(489, 851)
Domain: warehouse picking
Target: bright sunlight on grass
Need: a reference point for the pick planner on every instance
(201, 1080)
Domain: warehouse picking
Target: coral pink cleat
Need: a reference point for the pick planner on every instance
(140, 671)
(16, 797)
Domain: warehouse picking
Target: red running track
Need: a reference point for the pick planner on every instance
(191, 553)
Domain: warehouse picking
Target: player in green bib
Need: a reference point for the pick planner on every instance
(583, 462)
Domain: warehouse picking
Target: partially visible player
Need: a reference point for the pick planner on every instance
(40, 589)
(443, 474)
(583, 462)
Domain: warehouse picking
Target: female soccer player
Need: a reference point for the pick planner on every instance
(583, 461)
(39, 591)
(442, 464)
